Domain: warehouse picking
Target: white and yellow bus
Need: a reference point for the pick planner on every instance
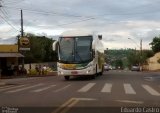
(79, 55)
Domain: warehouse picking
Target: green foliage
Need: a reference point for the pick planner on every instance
(119, 63)
(117, 58)
(127, 57)
(155, 44)
(133, 58)
(41, 50)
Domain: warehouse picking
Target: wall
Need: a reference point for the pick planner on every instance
(8, 48)
(153, 64)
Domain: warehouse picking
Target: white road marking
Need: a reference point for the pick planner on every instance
(86, 87)
(58, 90)
(11, 87)
(151, 90)
(42, 89)
(129, 101)
(128, 89)
(2, 87)
(21, 89)
(85, 99)
(107, 88)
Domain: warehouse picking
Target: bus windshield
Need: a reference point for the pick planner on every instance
(75, 49)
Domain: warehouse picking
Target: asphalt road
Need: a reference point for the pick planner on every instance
(113, 91)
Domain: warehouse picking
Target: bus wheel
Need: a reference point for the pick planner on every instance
(66, 77)
(93, 76)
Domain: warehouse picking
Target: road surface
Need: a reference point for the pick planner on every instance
(113, 91)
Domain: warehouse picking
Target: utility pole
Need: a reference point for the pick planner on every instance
(22, 34)
(141, 55)
(22, 23)
(141, 46)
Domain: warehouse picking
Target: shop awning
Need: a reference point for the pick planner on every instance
(11, 55)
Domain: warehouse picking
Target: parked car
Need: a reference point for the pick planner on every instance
(106, 67)
(135, 68)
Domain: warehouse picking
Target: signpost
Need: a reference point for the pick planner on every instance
(24, 44)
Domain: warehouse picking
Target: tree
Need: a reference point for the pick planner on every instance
(41, 50)
(119, 63)
(155, 44)
(133, 58)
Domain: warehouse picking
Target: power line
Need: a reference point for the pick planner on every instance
(5, 18)
(80, 16)
(76, 22)
(5, 11)
(48, 13)
(8, 23)
(2, 11)
(8, 3)
(37, 29)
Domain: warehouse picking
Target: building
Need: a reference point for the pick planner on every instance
(9, 56)
(153, 63)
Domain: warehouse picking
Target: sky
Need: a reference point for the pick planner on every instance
(122, 23)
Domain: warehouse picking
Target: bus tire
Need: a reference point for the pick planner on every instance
(93, 76)
(66, 77)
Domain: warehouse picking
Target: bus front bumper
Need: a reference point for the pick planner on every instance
(86, 71)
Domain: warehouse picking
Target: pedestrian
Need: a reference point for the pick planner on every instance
(40, 69)
(37, 69)
(44, 68)
(12, 68)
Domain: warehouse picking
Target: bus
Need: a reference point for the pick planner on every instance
(79, 55)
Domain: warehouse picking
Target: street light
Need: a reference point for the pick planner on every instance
(134, 42)
(140, 63)
(137, 44)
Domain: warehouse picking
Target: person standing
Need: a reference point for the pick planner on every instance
(44, 70)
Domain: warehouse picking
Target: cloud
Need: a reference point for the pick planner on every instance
(115, 20)
(11, 40)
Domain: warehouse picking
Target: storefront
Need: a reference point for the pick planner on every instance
(10, 59)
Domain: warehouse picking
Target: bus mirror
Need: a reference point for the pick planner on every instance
(54, 46)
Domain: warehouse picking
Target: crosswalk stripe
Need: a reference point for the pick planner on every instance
(6, 86)
(86, 87)
(42, 89)
(11, 87)
(128, 89)
(63, 88)
(107, 88)
(151, 90)
(21, 89)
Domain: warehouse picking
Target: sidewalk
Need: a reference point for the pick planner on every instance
(4, 79)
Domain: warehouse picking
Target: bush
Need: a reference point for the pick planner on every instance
(33, 72)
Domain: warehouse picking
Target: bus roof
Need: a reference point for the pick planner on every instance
(76, 33)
